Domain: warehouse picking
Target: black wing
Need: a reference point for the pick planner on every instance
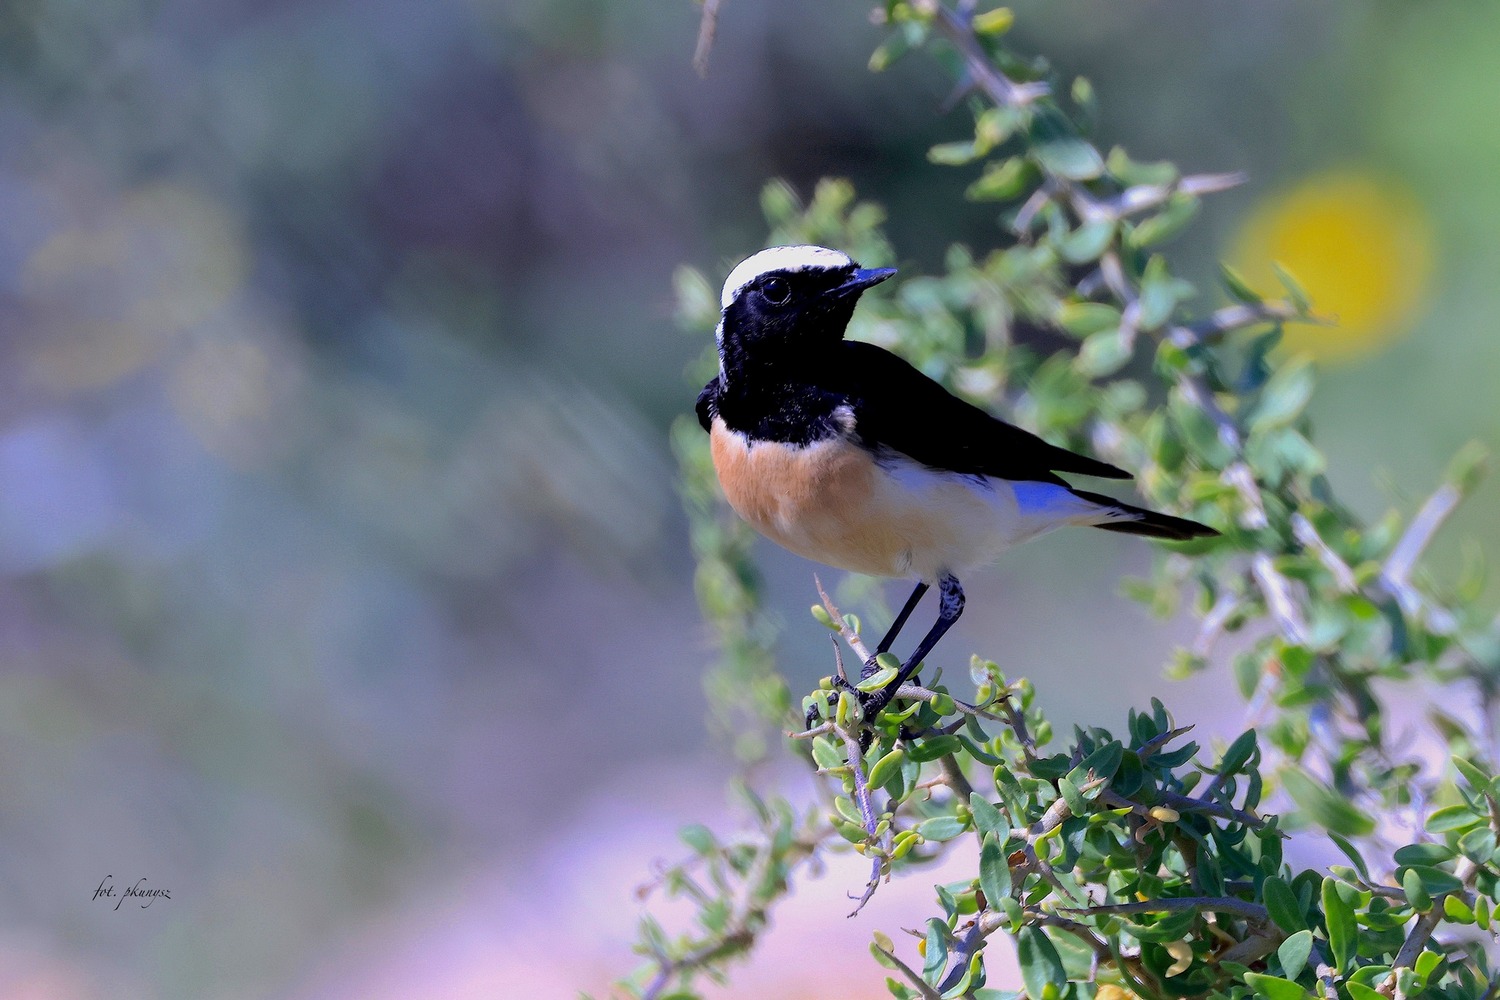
(897, 407)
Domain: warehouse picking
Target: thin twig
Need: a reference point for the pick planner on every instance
(954, 777)
(1151, 746)
(917, 692)
(1229, 319)
(708, 25)
(996, 85)
(1277, 591)
(1017, 723)
(961, 956)
(1396, 573)
(849, 635)
(1143, 197)
(866, 813)
(1176, 904)
(1213, 623)
(917, 982)
(1182, 804)
(1326, 980)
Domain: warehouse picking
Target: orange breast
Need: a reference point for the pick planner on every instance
(830, 502)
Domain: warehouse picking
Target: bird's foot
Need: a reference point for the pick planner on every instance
(871, 703)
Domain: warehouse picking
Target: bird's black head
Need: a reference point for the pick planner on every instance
(787, 304)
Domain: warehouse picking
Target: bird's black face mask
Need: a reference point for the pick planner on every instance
(785, 316)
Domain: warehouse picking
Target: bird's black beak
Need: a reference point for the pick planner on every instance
(861, 279)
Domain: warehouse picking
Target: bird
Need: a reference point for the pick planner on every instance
(844, 453)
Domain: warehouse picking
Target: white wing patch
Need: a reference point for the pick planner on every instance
(792, 258)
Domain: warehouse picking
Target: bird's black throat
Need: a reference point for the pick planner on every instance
(773, 407)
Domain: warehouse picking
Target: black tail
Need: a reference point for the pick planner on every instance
(1147, 522)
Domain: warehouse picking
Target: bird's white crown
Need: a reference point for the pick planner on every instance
(793, 258)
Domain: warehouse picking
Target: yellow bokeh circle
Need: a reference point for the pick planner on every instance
(1360, 245)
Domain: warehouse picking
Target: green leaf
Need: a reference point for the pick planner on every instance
(1467, 468)
(1247, 668)
(1352, 853)
(953, 154)
(826, 755)
(1435, 880)
(1416, 892)
(1132, 172)
(886, 766)
(1040, 965)
(1160, 294)
(1238, 753)
(1473, 774)
(1342, 930)
(994, 23)
(1455, 909)
(1324, 806)
(1293, 953)
(1087, 243)
(882, 947)
(1084, 97)
(1478, 844)
(1284, 396)
(1003, 181)
(1293, 288)
(941, 827)
(1166, 224)
(1359, 991)
(1237, 286)
(1070, 157)
(933, 747)
(1083, 318)
(1274, 987)
(779, 203)
(1282, 904)
(936, 957)
(1102, 763)
(1072, 796)
(1105, 353)
(994, 872)
(699, 838)
(1451, 818)
(879, 679)
(987, 819)
(1424, 854)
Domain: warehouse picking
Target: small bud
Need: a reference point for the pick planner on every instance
(1164, 815)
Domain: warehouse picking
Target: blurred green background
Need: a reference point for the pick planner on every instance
(344, 593)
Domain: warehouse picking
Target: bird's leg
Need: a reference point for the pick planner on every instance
(895, 629)
(950, 606)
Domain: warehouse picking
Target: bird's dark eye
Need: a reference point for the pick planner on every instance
(776, 291)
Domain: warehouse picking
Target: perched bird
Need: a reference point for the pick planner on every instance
(844, 453)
